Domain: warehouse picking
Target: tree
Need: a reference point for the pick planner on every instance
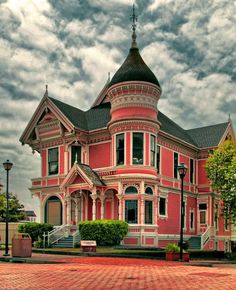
(16, 209)
(221, 170)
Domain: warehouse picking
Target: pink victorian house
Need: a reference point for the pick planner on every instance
(118, 160)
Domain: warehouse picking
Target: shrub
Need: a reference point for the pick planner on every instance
(35, 230)
(104, 232)
(172, 247)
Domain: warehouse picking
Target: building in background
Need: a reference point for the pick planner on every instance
(118, 160)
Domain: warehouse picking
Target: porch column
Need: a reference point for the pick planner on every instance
(142, 203)
(142, 210)
(76, 210)
(68, 210)
(120, 199)
(102, 207)
(94, 212)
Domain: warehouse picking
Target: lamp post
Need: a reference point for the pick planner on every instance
(7, 166)
(182, 169)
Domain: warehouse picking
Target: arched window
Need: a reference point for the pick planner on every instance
(148, 190)
(131, 190)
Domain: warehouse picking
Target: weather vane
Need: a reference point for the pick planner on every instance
(133, 19)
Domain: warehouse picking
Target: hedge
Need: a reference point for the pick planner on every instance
(104, 232)
(35, 230)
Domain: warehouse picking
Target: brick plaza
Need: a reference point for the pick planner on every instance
(113, 273)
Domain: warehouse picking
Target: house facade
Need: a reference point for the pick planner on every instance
(118, 160)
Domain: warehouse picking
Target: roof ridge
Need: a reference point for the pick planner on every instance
(53, 99)
(208, 126)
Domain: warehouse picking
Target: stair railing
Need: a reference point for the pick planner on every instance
(76, 238)
(58, 233)
(205, 237)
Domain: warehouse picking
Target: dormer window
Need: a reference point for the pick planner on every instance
(75, 154)
(53, 161)
(137, 148)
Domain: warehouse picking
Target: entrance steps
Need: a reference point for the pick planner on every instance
(66, 242)
(195, 243)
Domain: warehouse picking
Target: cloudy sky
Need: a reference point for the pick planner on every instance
(72, 45)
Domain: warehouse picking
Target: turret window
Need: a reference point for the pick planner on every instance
(53, 161)
(153, 150)
(137, 148)
(120, 149)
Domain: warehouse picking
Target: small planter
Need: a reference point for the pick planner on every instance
(175, 256)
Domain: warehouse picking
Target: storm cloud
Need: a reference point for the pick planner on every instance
(71, 45)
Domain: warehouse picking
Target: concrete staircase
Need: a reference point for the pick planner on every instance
(195, 243)
(66, 242)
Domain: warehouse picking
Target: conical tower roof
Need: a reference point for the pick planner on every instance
(134, 69)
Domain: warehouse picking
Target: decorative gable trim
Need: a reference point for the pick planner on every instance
(44, 105)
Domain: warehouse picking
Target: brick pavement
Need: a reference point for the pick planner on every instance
(113, 273)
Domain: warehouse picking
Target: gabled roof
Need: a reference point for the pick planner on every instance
(95, 118)
(86, 172)
(75, 115)
(209, 136)
(171, 128)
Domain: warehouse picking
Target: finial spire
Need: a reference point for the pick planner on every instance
(46, 91)
(133, 19)
(229, 119)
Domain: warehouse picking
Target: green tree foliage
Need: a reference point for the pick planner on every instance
(16, 209)
(104, 232)
(221, 170)
(35, 230)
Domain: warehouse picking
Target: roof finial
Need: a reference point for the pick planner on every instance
(109, 77)
(46, 91)
(133, 19)
(229, 119)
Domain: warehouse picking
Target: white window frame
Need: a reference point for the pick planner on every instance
(166, 206)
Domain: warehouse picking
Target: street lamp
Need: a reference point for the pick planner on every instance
(182, 169)
(7, 166)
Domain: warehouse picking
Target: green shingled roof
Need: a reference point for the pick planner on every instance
(134, 69)
(91, 174)
(98, 117)
(208, 136)
(171, 128)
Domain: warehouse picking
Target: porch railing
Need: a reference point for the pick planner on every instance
(76, 238)
(58, 233)
(205, 237)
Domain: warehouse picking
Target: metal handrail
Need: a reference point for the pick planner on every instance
(57, 234)
(76, 237)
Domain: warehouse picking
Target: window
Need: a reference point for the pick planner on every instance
(153, 150)
(191, 220)
(202, 209)
(75, 154)
(176, 161)
(137, 148)
(191, 171)
(148, 212)
(53, 161)
(131, 190)
(158, 158)
(131, 211)
(162, 206)
(149, 190)
(120, 149)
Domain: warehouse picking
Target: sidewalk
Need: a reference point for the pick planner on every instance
(73, 272)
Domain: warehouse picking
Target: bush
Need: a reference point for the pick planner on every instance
(104, 232)
(35, 230)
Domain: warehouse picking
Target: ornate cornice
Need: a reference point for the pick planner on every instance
(134, 88)
(131, 125)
